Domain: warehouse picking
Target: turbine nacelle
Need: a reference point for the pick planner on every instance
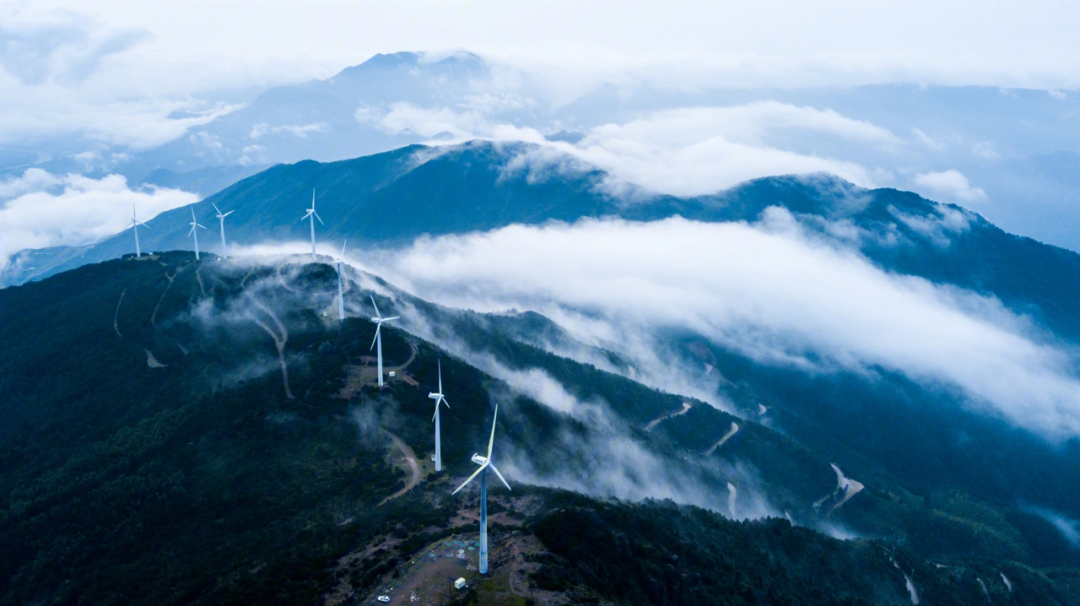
(221, 215)
(438, 395)
(485, 462)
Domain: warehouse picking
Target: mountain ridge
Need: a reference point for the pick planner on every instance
(389, 199)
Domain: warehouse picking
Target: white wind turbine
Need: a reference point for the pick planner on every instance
(312, 215)
(134, 225)
(378, 320)
(439, 399)
(340, 287)
(484, 463)
(193, 233)
(221, 219)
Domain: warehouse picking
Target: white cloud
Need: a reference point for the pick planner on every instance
(116, 71)
(765, 290)
(951, 183)
(681, 152)
(925, 139)
(44, 210)
(60, 46)
(262, 129)
(985, 150)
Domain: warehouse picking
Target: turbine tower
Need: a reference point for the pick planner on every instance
(134, 225)
(312, 215)
(378, 320)
(484, 463)
(439, 399)
(340, 288)
(195, 225)
(221, 219)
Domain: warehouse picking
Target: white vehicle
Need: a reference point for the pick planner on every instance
(385, 599)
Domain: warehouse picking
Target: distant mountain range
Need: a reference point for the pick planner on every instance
(389, 199)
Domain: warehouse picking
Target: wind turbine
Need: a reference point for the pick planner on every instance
(195, 225)
(484, 463)
(134, 225)
(439, 399)
(340, 289)
(313, 215)
(378, 320)
(221, 219)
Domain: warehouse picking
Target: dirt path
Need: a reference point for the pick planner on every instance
(116, 314)
(414, 466)
(685, 409)
(279, 341)
(153, 316)
(413, 352)
(727, 436)
(151, 361)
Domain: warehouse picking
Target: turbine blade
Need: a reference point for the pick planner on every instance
(390, 318)
(377, 314)
(376, 338)
(343, 242)
(318, 217)
(216, 208)
(227, 214)
(436, 412)
(445, 402)
(192, 230)
(491, 441)
(440, 381)
(493, 468)
(473, 476)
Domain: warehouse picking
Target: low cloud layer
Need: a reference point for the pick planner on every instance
(767, 290)
(605, 459)
(950, 183)
(39, 209)
(682, 152)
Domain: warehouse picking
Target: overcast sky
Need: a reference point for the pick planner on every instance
(1029, 44)
(109, 73)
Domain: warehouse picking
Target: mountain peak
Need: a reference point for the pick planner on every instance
(381, 65)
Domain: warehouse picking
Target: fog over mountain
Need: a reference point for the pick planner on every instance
(1009, 154)
(763, 304)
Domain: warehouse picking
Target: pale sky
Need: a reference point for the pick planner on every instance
(1030, 44)
(99, 79)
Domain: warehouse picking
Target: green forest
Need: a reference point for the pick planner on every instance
(150, 453)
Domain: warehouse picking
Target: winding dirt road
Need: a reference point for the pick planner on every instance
(279, 341)
(414, 466)
(727, 436)
(685, 409)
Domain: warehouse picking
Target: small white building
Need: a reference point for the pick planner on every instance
(460, 583)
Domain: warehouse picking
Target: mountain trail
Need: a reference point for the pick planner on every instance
(153, 315)
(151, 361)
(116, 314)
(414, 467)
(279, 342)
(685, 409)
(727, 436)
